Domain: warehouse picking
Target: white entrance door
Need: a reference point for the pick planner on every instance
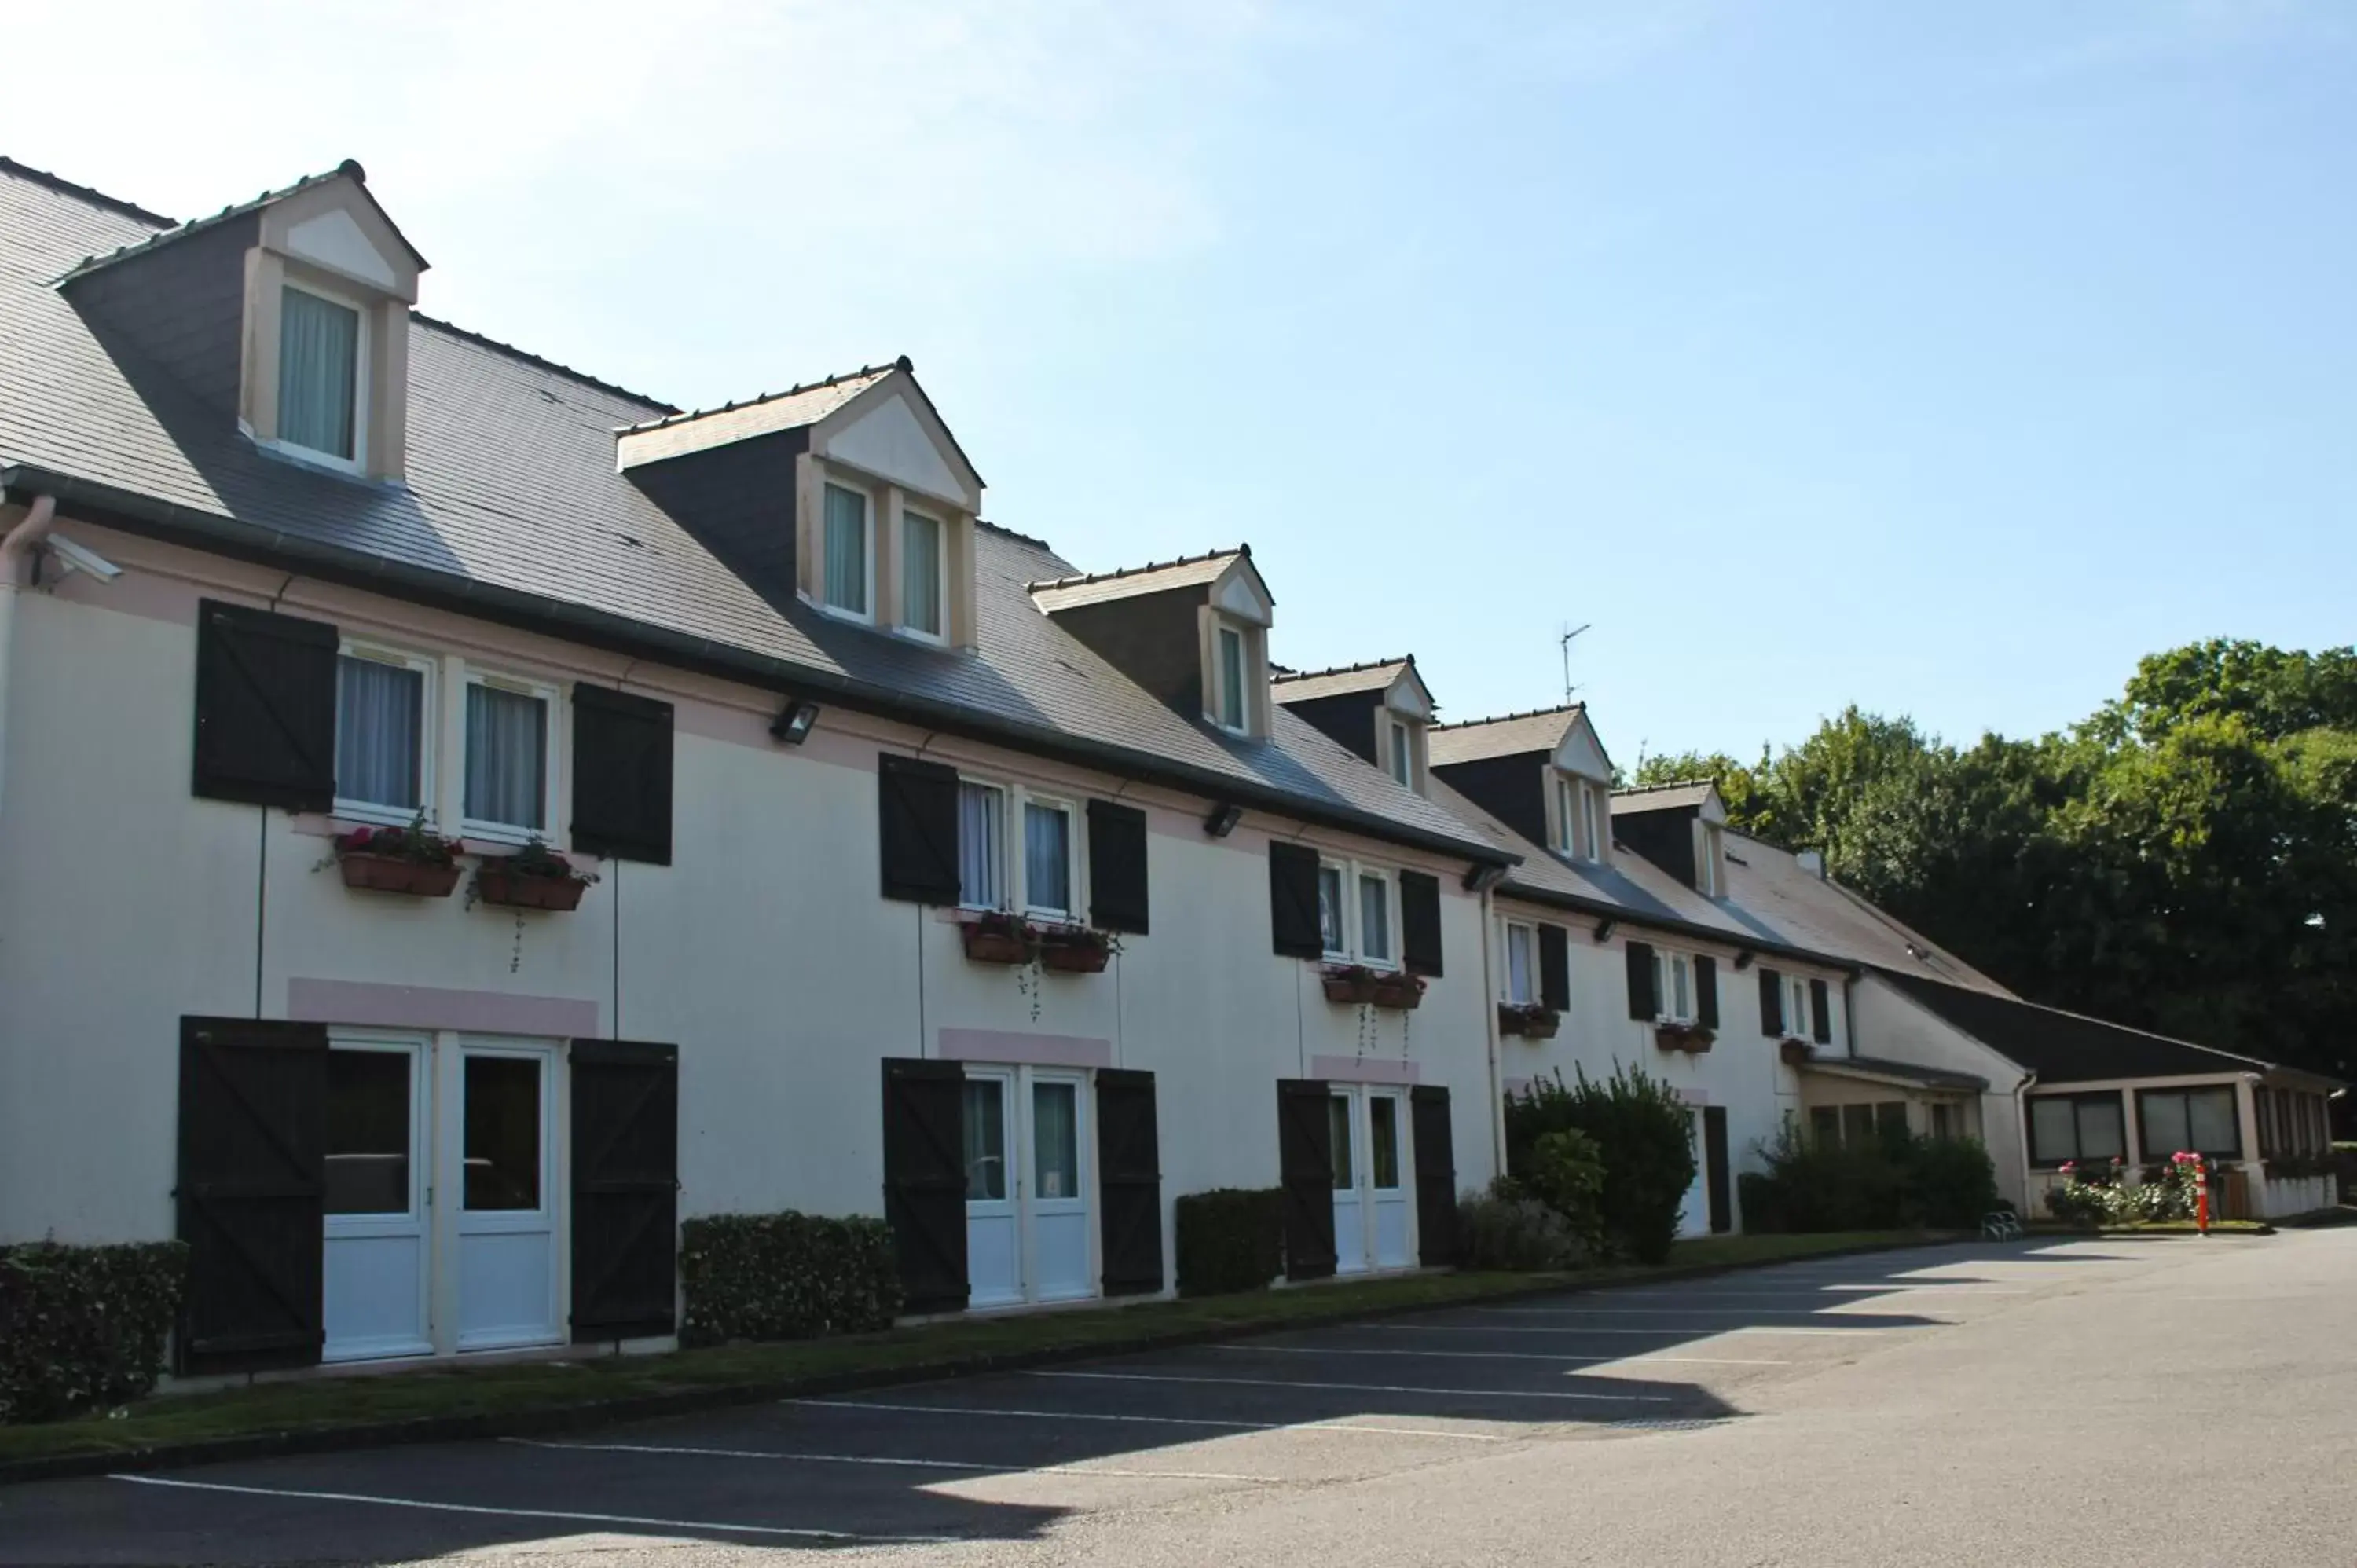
(1693, 1219)
(1350, 1180)
(1387, 1193)
(508, 1200)
(373, 1283)
(1055, 1194)
(994, 1249)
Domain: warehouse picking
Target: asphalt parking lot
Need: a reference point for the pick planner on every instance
(1006, 1457)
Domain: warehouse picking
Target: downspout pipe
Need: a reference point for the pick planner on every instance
(14, 545)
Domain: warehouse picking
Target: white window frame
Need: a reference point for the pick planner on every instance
(1799, 1021)
(1354, 939)
(1591, 800)
(1341, 869)
(1567, 824)
(429, 732)
(940, 574)
(1400, 742)
(830, 479)
(1222, 628)
(357, 462)
(550, 792)
(1530, 937)
(1712, 867)
(1668, 964)
(1003, 873)
(1031, 908)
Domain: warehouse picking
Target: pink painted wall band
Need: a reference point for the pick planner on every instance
(1023, 1050)
(1364, 1069)
(379, 1006)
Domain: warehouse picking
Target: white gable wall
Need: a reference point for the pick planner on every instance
(888, 439)
(333, 239)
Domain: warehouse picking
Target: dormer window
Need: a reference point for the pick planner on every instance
(1230, 712)
(924, 601)
(1710, 863)
(1403, 753)
(850, 566)
(1579, 817)
(322, 375)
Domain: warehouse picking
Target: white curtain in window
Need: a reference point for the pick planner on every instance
(378, 710)
(1375, 916)
(1330, 909)
(2103, 1130)
(507, 757)
(318, 365)
(1048, 858)
(846, 549)
(1055, 1140)
(978, 847)
(986, 1139)
(2210, 1113)
(1517, 963)
(920, 573)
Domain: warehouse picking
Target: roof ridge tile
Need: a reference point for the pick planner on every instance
(1509, 718)
(1079, 578)
(91, 194)
(680, 416)
(1280, 677)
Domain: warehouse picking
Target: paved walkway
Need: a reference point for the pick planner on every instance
(2086, 1403)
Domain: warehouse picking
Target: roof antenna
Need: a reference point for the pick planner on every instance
(1565, 641)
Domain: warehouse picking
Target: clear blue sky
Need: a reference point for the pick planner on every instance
(1939, 358)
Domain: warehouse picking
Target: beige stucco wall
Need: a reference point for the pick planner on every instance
(1892, 1023)
(764, 950)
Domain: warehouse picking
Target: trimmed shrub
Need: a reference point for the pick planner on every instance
(1229, 1238)
(1895, 1182)
(84, 1327)
(1567, 1175)
(785, 1276)
(1643, 1133)
(1507, 1228)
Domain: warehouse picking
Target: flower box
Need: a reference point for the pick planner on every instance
(1530, 1020)
(1795, 1052)
(1356, 986)
(1074, 949)
(510, 889)
(1689, 1037)
(396, 873)
(997, 939)
(1404, 991)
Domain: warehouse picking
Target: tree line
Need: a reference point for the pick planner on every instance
(2184, 860)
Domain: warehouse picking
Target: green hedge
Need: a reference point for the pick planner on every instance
(1894, 1182)
(786, 1276)
(83, 1326)
(1643, 1133)
(1229, 1238)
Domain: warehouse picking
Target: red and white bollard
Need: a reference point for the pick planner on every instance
(2201, 1196)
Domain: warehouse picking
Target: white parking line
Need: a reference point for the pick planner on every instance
(1337, 1425)
(1806, 1291)
(896, 1463)
(566, 1515)
(1358, 1388)
(1491, 1355)
(1672, 1312)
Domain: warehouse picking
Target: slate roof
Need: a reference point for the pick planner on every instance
(1509, 734)
(2069, 1048)
(1910, 1072)
(1817, 913)
(512, 509)
(1309, 685)
(693, 430)
(1660, 797)
(1073, 588)
(172, 233)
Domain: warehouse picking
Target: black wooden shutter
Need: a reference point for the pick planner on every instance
(924, 1180)
(1305, 1157)
(1129, 1182)
(265, 708)
(917, 804)
(1117, 899)
(1713, 1164)
(1294, 927)
(621, 775)
(1821, 1014)
(1554, 968)
(1705, 970)
(1436, 1176)
(1420, 922)
(252, 1194)
(625, 1189)
(1772, 1002)
(1642, 1003)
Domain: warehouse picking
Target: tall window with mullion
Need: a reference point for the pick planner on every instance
(846, 551)
(1232, 677)
(507, 760)
(380, 723)
(2195, 1120)
(1375, 919)
(1047, 860)
(922, 576)
(1332, 920)
(1674, 995)
(319, 358)
(1521, 964)
(982, 862)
